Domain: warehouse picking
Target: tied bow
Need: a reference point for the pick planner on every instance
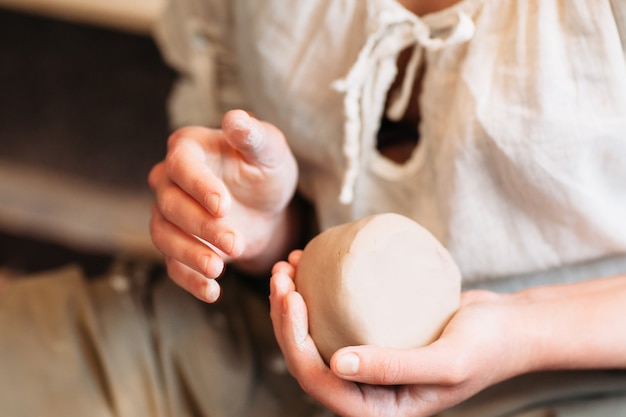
(366, 84)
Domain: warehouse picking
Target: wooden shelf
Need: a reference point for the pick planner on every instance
(84, 121)
(74, 212)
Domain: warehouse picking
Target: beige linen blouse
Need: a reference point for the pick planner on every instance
(521, 161)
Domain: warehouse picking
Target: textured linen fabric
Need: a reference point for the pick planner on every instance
(523, 113)
(115, 347)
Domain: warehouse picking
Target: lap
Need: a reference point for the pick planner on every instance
(109, 347)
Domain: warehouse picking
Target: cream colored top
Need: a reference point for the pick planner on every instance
(521, 164)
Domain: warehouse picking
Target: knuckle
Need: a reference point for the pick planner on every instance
(184, 132)
(457, 371)
(390, 370)
(167, 203)
(173, 163)
(175, 138)
(156, 233)
(307, 384)
(183, 277)
(206, 229)
(294, 368)
(173, 271)
(198, 187)
(154, 175)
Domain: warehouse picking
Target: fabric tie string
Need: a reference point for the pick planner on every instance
(375, 69)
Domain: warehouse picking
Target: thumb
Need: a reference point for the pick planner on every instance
(259, 143)
(431, 365)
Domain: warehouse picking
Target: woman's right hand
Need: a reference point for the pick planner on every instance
(221, 194)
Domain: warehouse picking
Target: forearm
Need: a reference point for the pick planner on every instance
(574, 326)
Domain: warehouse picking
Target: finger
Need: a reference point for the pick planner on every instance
(294, 257)
(259, 143)
(157, 173)
(193, 158)
(306, 364)
(303, 360)
(296, 333)
(434, 364)
(203, 288)
(284, 268)
(180, 209)
(185, 248)
(280, 286)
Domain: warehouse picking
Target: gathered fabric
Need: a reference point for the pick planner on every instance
(379, 56)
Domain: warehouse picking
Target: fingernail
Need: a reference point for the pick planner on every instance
(254, 137)
(213, 203)
(348, 364)
(241, 124)
(212, 290)
(210, 268)
(280, 283)
(227, 242)
(205, 265)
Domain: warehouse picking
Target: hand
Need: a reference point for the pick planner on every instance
(475, 350)
(220, 195)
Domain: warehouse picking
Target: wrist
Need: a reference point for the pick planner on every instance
(264, 245)
(278, 235)
(531, 332)
(574, 326)
(520, 336)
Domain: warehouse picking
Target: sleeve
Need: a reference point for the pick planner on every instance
(195, 38)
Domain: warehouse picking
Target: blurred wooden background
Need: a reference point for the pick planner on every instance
(127, 15)
(82, 121)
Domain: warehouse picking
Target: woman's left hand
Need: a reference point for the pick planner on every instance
(479, 347)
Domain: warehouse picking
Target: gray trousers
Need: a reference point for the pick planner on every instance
(118, 347)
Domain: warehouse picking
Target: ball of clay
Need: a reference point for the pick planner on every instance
(383, 280)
